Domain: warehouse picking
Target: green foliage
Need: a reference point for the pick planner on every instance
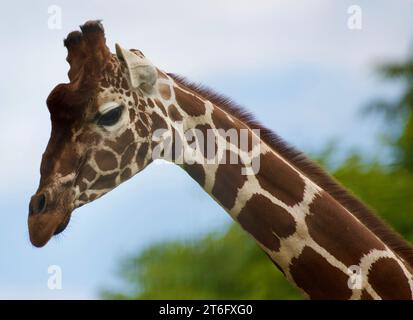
(231, 265)
(218, 266)
(399, 111)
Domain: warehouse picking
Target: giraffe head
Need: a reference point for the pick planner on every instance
(101, 131)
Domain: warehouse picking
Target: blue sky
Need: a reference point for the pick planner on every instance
(294, 64)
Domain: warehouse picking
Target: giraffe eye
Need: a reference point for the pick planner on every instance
(111, 117)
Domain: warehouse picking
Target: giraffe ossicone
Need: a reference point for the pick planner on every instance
(119, 112)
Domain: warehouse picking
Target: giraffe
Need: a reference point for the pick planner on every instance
(119, 113)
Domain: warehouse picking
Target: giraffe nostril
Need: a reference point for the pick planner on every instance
(41, 204)
(38, 204)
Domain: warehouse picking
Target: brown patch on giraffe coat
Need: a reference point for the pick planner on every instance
(141, 154)
(88, 172)
(365, 295)
(189, 103)
(128, 155)
(109, 69)
(125, 175)
(161, 106)
(333, 228)
(93, 196)
(228, 179)
(143, 104)
(104, 83)
(266, 221)
(135, 98)
(83, 198)
(319, 279)
(279, 179)
(150, 103)
(387, 278)
(132, 115)
(124, 84)
(105, 160)
(122, 142)
(68, 153)
(144, 117)
(236, 128)
(165, 91)
(248, 140)
(174, 113)
(82, 186)
(107, 181)
(141, 129)
(158, 122)
(196, 171)
(221, 121)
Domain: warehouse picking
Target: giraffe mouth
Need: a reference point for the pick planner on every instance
(61, 227)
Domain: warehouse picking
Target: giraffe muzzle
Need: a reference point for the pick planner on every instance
(46, 219)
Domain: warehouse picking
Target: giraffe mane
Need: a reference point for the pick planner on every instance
(309, 168)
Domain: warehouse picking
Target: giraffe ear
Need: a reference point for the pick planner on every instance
(142, 72)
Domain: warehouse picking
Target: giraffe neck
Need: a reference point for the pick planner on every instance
(318, 244)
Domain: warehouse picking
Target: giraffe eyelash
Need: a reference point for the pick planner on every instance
(106, 107)
(110, 116)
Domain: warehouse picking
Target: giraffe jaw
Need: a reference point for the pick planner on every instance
(44, 226)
